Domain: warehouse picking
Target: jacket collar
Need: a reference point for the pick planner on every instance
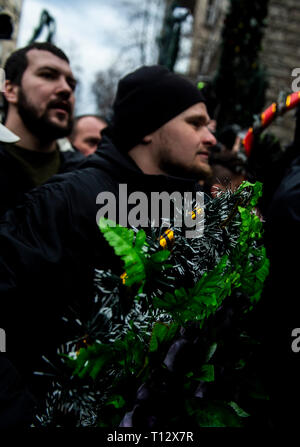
(7, 136)
(121, 165)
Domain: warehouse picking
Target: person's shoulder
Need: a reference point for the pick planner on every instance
(286, 200)
(78, 188)
(64, 197)
(71, 160)
(85, 173)
(290, 184)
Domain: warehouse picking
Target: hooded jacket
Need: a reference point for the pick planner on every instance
(50, 247)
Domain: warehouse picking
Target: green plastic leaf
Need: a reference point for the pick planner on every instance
(256, 191)
(211, 351)
(160, 256)
(162, 333)
(207, 373)
(93, 359)
(239, 411)
(117, 401)
(140, 239)
(213, 414)
(122, 241)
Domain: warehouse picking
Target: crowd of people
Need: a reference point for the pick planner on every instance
(53, 167)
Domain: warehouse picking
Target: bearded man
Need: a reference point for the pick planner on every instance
(39, 102)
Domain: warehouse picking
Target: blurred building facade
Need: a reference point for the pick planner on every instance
(208, 23)
(13, 9)
(10, 14)
(280, 48)
(281, 54)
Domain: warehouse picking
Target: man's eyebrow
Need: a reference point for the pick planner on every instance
(56, 71)
(201, 119)
(46, 67)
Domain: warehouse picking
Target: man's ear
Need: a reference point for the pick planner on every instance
(147, 139)
(11, 92)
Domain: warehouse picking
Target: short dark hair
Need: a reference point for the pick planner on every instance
(17, 62)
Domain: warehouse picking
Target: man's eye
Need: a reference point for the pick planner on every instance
(47, 75)
(196, 123)
(93, 142)
(72, 85)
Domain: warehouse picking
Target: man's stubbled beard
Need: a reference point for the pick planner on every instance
(175, 169)
(40, 126)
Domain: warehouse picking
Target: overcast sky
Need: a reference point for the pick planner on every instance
(91, 32)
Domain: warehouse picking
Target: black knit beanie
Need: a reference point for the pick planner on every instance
(145, 100)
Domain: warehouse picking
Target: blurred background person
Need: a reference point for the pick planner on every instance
(86, 133)
(228, 172)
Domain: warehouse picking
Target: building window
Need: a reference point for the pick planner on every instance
(212, 12)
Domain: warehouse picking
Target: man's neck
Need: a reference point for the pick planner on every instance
(27, 139)
(145, 161)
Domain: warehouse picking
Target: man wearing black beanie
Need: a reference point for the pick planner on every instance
(160, 119)
(51, 245)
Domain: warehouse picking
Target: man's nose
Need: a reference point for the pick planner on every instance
(63, 88)
(209, 138)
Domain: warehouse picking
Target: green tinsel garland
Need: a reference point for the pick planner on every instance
(189, 302)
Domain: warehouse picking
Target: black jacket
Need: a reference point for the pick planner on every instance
(50, 247)
(16, 402)
(281, 301)
(14, 182)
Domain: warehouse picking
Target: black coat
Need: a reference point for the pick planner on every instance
(281, 301)
(50, 247)
(14, 182)
(16, 402)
